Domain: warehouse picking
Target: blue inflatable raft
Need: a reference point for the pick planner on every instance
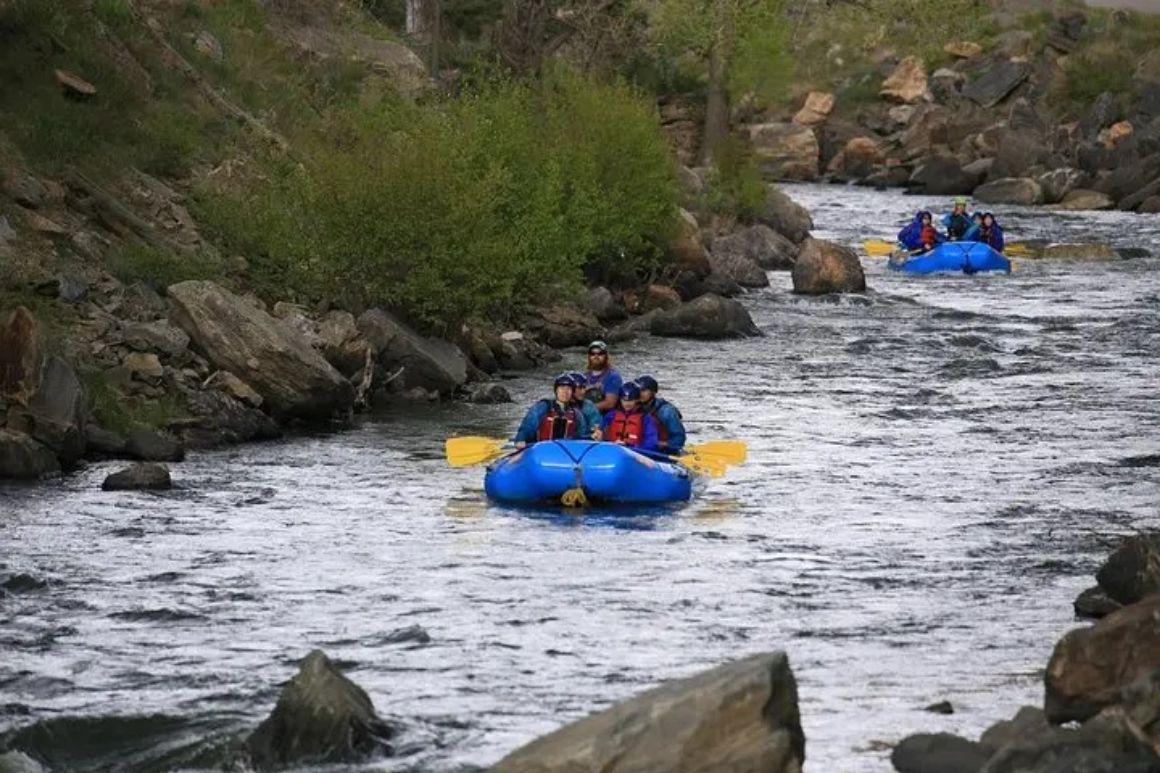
(968, 257)
(553, 471)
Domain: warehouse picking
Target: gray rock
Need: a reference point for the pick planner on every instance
(786, 216)
(742, 716)
(603, 305)
(139, 477)
(104, 442)
(293, 378)
(824, 267)
(489, 394)
(19, 762)
(224, 420)
(1132, 572)
(563, 325)
(22, 458)
(995, 84)
(1102, 112)
(758, 243)
(1094, 603)
(158, 336)
(739, 268)
(1058, 183)
(427, 363)
(938, 753)
(151, 446)
(1079, 200)
(941, 176)
(64, 439)
(1020, 190)
(708, 317)
(321, 718)
(70, 288)
(1028, 725)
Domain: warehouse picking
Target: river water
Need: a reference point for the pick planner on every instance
(936, 469)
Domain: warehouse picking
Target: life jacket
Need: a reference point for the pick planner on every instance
(557, 424)
(652, 409)
(958, 226)
(929, 236)
(628, 427)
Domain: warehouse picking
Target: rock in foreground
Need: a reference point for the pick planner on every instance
(139, 477)
(742, 716)
(235, 335)
(1132, 572)
(708, 317)
(824, 267)
(321, 717)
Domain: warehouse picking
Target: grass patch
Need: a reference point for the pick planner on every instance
(1091, 73)
(138, 262)
(120, 413)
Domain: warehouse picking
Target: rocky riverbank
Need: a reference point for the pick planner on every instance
(1000, 121)
(107, 369)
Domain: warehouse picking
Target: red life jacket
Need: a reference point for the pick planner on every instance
(929, 235)
(557, 424)
(628, 427)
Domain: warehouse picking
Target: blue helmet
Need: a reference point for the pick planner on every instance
(630, 391)
(648, 382)
(578, 379)
(564, 379)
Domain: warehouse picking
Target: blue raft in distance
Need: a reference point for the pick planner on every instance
(967, 257)
(606, 472)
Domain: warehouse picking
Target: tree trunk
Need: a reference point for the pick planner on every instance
(416, 22)
(716, 106)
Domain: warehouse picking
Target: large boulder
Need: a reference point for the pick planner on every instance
(993, 86)
(321, 718)
(941, 176)
(56, 412)
(938, 753)
(1090, 666)
(156, 336)
(234, 335)
(907, 83)
(22, 354)
(1130, 177)
(22, 458)
(785, 151)
(742, 716)
(741, 269)
(824, 267)
(1016, 153)
(708, 317)
(139, 477)
(858, 158)
(760, 244)
(784, 215)
(427, 363)
(1058, 183)
(1132, 572)
(926, 132)
(816, 109)
(603, 304)
(1082, 199)
(1010, 190)
(564, 325)
(685, 248)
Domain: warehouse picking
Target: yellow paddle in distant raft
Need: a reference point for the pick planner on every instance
(881, 247)
(711, 458)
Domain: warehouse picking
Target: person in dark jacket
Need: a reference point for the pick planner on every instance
(670, 424)
(991, 233)
(957, 222)
(553, 419)
(586, 406)
(911, 234)
(628, 425)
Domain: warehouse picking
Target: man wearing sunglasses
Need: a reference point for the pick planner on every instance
(603, 381)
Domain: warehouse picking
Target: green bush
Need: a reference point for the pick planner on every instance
(118, 412)
(137, 262)
(1091, 73)
(735, 186)
(466, 208)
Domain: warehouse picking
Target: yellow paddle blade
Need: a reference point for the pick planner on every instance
(1018, 250)
(701, 465)
(879, 247)
(727, 451)
(464, 451)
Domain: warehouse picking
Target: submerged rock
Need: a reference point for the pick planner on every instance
(139, 477)
(938, 753)
(293, 378)
(824, 267)
(742, 716)
(489, 394)
(321, 717)
(707, 317)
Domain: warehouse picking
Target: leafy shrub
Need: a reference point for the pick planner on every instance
(466, 208)
(137, 262)
(1091, 73)
(735, 186)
